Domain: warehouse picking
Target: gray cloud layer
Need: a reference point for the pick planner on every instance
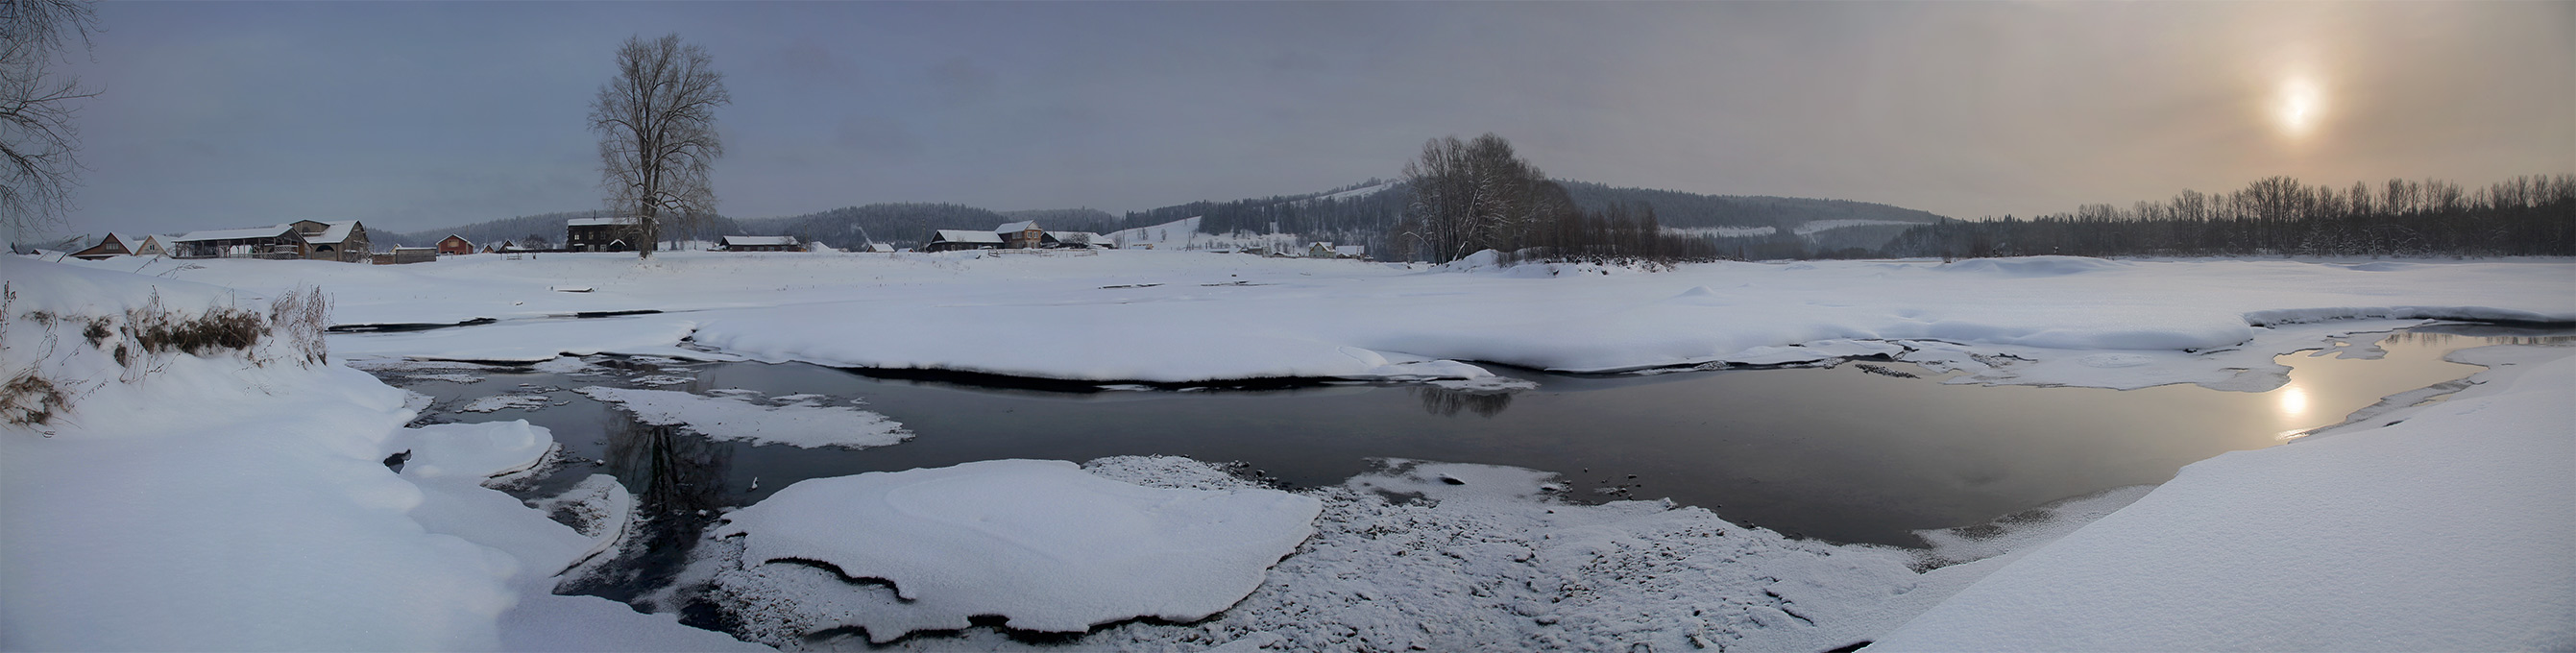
(420, 115)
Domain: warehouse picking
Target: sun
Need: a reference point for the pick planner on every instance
(2298, 106)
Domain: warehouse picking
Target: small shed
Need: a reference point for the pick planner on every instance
(880, 248)
(757, 243)
(453, 244)
(955, 239)
(404, 255)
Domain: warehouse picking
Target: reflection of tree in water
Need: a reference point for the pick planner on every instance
(1446, 402)
(678, 479)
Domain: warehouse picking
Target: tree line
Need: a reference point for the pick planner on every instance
(2530, 215)
(1470, 196)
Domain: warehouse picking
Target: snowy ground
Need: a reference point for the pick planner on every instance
(243, 501)
(1183, 317)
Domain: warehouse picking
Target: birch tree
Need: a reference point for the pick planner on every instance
(657, 136)
(37, 138)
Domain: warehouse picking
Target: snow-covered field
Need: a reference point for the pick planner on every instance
(243, 501)
(1183, 317)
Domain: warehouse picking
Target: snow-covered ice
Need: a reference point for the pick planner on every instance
(1043, 544)
(802, 423)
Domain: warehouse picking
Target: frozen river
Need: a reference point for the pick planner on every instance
(1857, 453)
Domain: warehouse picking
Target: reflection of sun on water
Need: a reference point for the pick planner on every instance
(2293, 411)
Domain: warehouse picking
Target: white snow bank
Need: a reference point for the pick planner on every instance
(241, 502)
(1183, 317)
(1473, 558)
(528, 341)
(802, 423)
(2448, 530)
(1042, 543)
(975, 339)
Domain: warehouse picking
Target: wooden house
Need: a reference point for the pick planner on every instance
(1021, 235)
(113, 245)
(273, 242)
(344, 241)
(599, 234)
(758, 244)
(955, 239)
(455, 245)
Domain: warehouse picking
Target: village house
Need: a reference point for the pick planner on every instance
(1021, 235)
(120, 245)
(757, 243)
(455, 245)
(599, 234)
(955, 239)
(272, 242)
(344, 241)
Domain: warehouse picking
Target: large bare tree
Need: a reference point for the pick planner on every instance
(37, 137)
(657, 135)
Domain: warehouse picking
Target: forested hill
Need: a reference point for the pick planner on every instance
(1681, 210)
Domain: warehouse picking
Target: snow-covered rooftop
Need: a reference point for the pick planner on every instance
(1014, 227)
(338, 232)
(738, 241)
(271, 231)
(968, 236)
(595, 222)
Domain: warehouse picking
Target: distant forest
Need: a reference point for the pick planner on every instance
(2531, 215)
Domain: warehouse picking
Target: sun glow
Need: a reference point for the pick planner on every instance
(2298, 106)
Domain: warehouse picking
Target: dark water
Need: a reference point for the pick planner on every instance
(1840, 454)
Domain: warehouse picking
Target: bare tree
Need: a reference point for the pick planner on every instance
(37, 137)
(657, 135)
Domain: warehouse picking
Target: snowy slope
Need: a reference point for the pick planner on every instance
(2448, 531)
(239, 501)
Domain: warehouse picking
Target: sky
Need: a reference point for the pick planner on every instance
(420, 115)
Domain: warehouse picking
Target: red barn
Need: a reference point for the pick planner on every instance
(454, 244)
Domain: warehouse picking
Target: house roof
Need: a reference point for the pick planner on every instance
(272, 231)
(967, 236)
(731, 241)
(597, 222)
(1074, 236)
(336, 233)
(457, 238)
(880, 247)
(1015, 227)
(1351, 250)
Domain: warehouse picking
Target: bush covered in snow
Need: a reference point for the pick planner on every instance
(58, 341)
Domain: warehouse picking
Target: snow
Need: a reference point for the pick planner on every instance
(1811, 227)
(2447, 530)
(1487, 563)
(800, 422)
(968, 236)
(1182, 317)
(1043, 544)
(238, 501)
(234, 234)
(1722, 232)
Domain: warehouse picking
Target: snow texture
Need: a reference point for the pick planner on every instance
(2447, 530)
(1190, 316)
(1406, 559)
(800, 422)
(237, 501)
(1041, 543)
